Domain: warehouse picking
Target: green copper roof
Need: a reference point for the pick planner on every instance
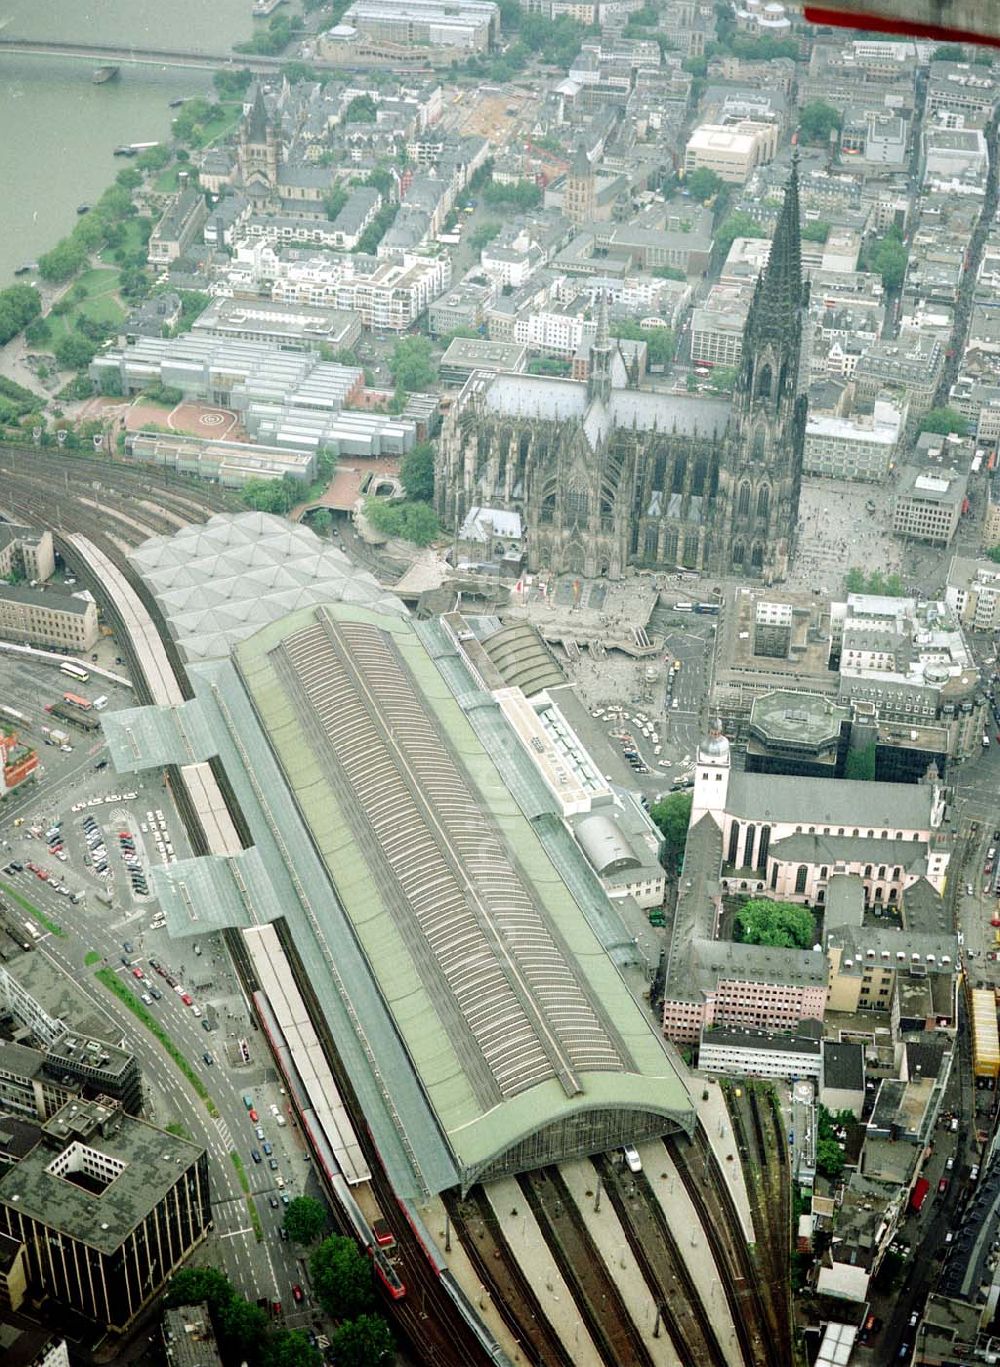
(514, 1016)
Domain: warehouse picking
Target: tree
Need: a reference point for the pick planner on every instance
(994, 554)
(129, 178)
(522, 194)
(291, 1348)
(549, 365)
(723, 379)
(417, 472)
(232, 84)
(887, 256)
(364, 1342)
(362, 109)
(411, 365)
(19, 306)
(659, 341)
(267, 495)
(861, 763)
(944, 421)
(829, 1154)
(335, 201)
(817, 120)
(829, 1159)
(763, 922)
(673, 814)
(377, 229)
(74, 351)
(738, 224)
(949, 52)
(817, 231)
(341, 1277)
(703, 183)
(305, 1218)
(668, 273)
(484, 235)
(62, 262)
(241, 1326)
(855, 580)
(192, 1285)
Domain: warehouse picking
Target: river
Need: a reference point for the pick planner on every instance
(58, 130)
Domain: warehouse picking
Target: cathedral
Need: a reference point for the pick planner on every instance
(606, 475)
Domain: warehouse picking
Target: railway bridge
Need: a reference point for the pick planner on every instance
(122, 55)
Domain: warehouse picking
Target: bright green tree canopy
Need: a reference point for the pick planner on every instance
(785, 924)
(341, 1277)
(305, 1219)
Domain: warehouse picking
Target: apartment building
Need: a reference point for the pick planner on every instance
(27, 552)
(47, 617)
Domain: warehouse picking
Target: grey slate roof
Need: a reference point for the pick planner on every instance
(854, 804)
(832, 849)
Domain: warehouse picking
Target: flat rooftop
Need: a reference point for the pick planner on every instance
(145, 1163)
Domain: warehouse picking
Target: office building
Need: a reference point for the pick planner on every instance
(973, 592)
(738, 1052)
(467, 25)
(860, 447)
(47, 617)
(180, 225)
(188, 1337)
(929, 504)
(733, 150)
(289, 326)
(107, 1207)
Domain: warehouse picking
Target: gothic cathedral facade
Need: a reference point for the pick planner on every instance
(606, 475)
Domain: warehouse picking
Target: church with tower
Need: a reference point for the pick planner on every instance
(606, 475)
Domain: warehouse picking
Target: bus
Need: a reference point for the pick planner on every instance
(74, 700)
(75, 672)
(12, 714)
(709, 609)
(919, 1194)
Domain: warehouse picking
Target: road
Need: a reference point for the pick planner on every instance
(271, 1267)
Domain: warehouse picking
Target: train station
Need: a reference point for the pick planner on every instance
(459, 945)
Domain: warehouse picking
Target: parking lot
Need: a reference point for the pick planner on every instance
(80, 845)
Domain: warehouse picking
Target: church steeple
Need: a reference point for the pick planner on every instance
(599, 383)
(775, 313)
(760, 488)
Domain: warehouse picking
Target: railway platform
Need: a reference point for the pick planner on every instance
(669, 1189)
(522, 1233)
(611, 1242)
(432, 1213)
(715, 1118)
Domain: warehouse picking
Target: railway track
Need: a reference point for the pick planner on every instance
(711, 1197)
(662, 1264)
(768, 1190)
(491, 1256)
(594, 1290)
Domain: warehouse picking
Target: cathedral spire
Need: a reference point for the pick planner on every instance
(777, 303)
(599, 384)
